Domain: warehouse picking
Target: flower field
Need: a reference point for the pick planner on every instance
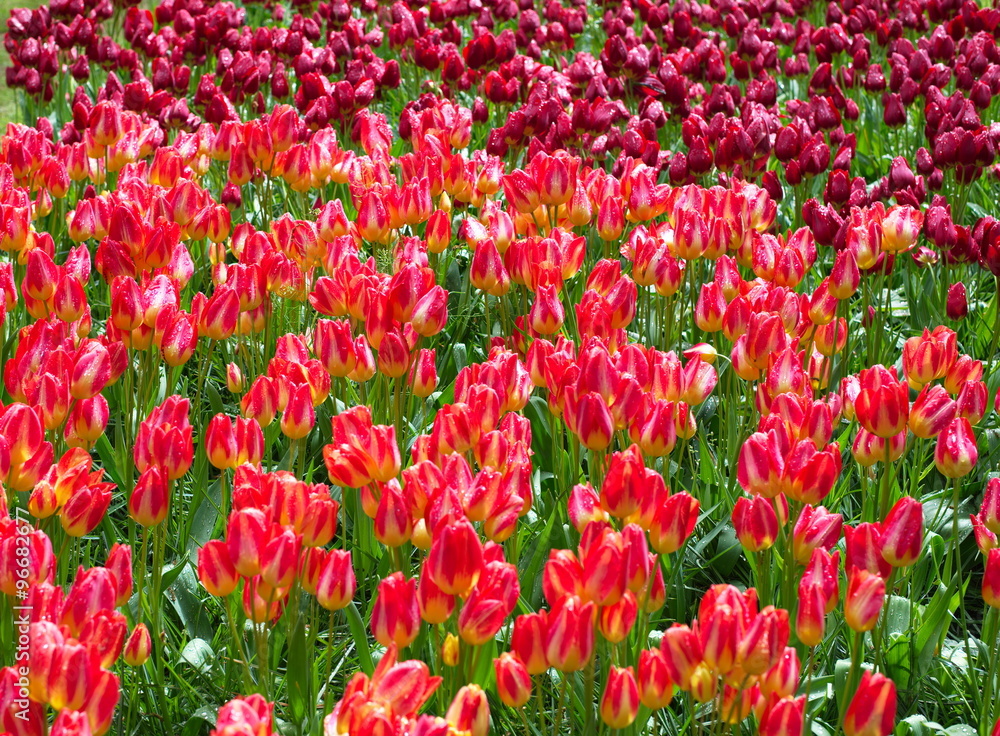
(489, 366)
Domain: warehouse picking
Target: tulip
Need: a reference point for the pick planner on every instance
(220, 442)
(932, 411)
(785, 717)
(957, 306)
(756, 523)
(929, 356)
(991, 579)
(810, 620)
(903, 533)
(710, 308)
(620, 701)
(656, 688)
(336, 584)
(456, 558)
(865, 596)
(593, 423)
(872, 711)
(547, 315)
(529, 641)
(513, 681)
(245, 715)
(569, 641)
(673, 523)
(615, 621)
(990, 509)
(882, 406)
(215, 568)
(469, 712)
(395, 616)
(138, 646)
(150, 500)
(782, 680)
(973, 401)
(901, 228)
(299, 416)
(863, 545)
(955, 454)
(816, 528)
(868, 449)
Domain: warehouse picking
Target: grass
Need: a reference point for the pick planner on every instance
(8, 99)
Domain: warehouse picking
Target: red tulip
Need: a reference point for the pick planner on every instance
(620, 701)
(872, 711)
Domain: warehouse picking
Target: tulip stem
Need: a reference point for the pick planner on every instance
(563, 687)
(588, 702)
(852, 676)
(879, 631)
(886, 488)
(238, 643)
(995, 341)
(329, 666)
(159, 542)
(991, 634)
(952, 560)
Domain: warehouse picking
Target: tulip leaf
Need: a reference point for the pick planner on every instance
(960, 729)
(184, 594)
(899, 658)
(214, 398)
(205, 518)
(199, 654)
(360, 635)
(898, 615)
(298, 675)
(200, 721)
(937, 616)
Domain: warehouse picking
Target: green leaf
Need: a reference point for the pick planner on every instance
(202, 719)
(357, 626)
(298, 675)
(205, 518)
(898, 615)
(184, 593)
(199, 654)
(214, 398)
(937, 616)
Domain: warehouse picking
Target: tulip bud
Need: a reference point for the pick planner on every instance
(138, 646)
(234, 378)
(957, 306)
